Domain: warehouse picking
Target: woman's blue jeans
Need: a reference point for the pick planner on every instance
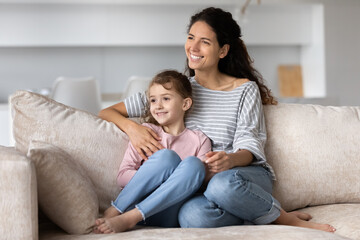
(160, 187)
(238, 196)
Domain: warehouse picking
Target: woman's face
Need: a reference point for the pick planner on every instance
(202, 48)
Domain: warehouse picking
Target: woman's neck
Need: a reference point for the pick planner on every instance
(208, 79)
(215, 80)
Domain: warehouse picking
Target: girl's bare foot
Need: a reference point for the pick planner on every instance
(292, 220)
(120, 223)
(109, 213)
(302, 215)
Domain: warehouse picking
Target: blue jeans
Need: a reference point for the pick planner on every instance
(238, 196)
(160, 187)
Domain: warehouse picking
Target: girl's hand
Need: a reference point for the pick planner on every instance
(218, 161)
(144, 140)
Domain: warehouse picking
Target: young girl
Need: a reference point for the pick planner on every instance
(156, 187)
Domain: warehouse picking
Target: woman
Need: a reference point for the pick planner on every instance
(228, 94)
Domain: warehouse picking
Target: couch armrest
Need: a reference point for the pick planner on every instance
(18, 194)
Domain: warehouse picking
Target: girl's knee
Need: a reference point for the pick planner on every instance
(194, 166)
(165, 158)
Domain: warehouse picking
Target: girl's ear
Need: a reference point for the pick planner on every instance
(224, 50)
(187, 104)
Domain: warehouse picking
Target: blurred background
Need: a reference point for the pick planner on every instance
(307, 50)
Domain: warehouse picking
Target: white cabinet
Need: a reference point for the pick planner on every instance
(5, 126)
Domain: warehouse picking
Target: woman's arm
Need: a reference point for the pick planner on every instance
(222, 161)
(144, 139)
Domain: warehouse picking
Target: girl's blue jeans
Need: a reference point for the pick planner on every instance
(160, 187)
(238, 196)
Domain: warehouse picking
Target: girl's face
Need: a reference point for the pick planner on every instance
(202, 48)
(167, 106)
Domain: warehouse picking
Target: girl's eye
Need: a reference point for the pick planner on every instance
(152, 100)
(166, 98)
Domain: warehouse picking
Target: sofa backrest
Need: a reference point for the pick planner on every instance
(314, 150)
(315, 153)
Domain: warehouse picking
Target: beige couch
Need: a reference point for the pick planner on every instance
(66, 160)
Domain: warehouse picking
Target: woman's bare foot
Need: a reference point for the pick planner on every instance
(292, 220)
(302, 215)
(109, 213)
(120, 223)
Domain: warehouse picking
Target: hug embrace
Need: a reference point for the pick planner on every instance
(199, 159)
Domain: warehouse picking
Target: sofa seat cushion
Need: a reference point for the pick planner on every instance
(344, 217)
(96, 145)
(315, 153)
(268, 232)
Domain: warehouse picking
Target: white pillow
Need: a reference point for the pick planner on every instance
(65, 193)
(96, 145)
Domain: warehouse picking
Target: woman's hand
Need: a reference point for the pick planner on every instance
(218, 161)
(144, 140)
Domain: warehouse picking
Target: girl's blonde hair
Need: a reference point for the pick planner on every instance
(178, 82)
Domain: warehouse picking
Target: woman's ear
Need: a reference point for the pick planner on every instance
(187, 104)
(224, 50)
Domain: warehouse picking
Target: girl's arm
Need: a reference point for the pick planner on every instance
(144, 139)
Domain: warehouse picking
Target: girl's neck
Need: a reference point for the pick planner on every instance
(175, 128)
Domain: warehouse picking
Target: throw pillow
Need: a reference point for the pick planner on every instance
(65, 193)
(96, 145)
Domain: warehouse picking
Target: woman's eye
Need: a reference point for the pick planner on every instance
(206, 42)
(190, 37)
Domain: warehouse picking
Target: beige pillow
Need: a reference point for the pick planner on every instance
(315, 153)
(65, 193)
(96, 145)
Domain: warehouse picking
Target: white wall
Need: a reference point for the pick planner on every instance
(342, 48)
(24, 67)
(114, 41)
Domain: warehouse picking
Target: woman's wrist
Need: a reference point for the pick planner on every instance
(241, 158)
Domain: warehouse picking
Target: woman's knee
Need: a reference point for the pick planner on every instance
(192, 213)
(220, 185)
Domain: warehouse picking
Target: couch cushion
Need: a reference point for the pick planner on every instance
(315, 153)
(96, 145)
(344, 217)
(65, 193)
(264, 232)
(18, 196)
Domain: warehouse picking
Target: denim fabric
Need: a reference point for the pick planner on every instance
(160, 187)
(233, 197)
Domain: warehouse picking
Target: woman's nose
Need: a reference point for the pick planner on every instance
(193, 46)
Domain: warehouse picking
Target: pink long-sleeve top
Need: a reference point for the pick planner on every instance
(188, 143)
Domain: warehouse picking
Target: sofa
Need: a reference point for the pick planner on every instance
(61, 173)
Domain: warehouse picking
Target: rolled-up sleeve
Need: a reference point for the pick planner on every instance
(250, 130)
